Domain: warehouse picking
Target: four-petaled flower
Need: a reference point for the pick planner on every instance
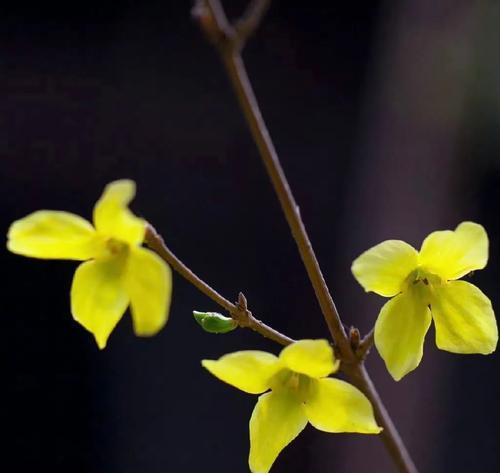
(118, 272)
(300, 392)
(423, 286)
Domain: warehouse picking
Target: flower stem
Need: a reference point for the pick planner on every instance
(213, 21)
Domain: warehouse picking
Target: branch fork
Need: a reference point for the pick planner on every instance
(230, 37)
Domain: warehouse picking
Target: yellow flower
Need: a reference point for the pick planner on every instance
(423, 286)
(118, 272)
(300, 392)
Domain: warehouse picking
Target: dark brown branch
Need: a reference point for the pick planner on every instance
(225, 37)
(239, 311)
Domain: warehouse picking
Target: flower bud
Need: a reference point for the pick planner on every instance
(213, 322)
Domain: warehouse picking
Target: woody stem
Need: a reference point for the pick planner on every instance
(229, 43)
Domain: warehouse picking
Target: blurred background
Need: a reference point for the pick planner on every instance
(386, 116)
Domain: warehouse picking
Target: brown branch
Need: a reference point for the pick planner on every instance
(238, 312)
(225, 37)
(211, 17)
(390, 435)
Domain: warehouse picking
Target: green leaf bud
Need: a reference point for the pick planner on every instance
(213, 322)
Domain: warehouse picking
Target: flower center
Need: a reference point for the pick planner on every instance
(421, 284)
(115, 247)
(296, 383)
(422, 277)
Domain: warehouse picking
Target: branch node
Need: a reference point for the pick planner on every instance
(213, 22)
(242, 302)
(365, 345)
(354, 337)
(228, 37)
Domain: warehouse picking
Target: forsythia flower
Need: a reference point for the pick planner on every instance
(118, 272)
(300, 392)
(423, 286)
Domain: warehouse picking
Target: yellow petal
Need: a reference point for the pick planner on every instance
(98, 297)
(336, 406)
(311, 357)
(384, 268)
(276, 420)
(148, 283)
(452, 254)
(464, 319)
(250, 371)
(52, 235)
(400, 332)
(113, 218)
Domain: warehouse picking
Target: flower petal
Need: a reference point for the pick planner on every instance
(98, 297)
(452, 254)
(384, 268)
(336, 406)
(400, 332)
(113, 218)
(250, 370)
(52, 234)
(464, 319)
(276, 420)
(148, 282)
(311, 357)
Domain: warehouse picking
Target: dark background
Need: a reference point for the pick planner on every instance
(386, 118)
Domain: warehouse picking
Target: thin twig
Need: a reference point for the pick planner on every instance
(213, 21)
(250, 20)
(239, 311)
